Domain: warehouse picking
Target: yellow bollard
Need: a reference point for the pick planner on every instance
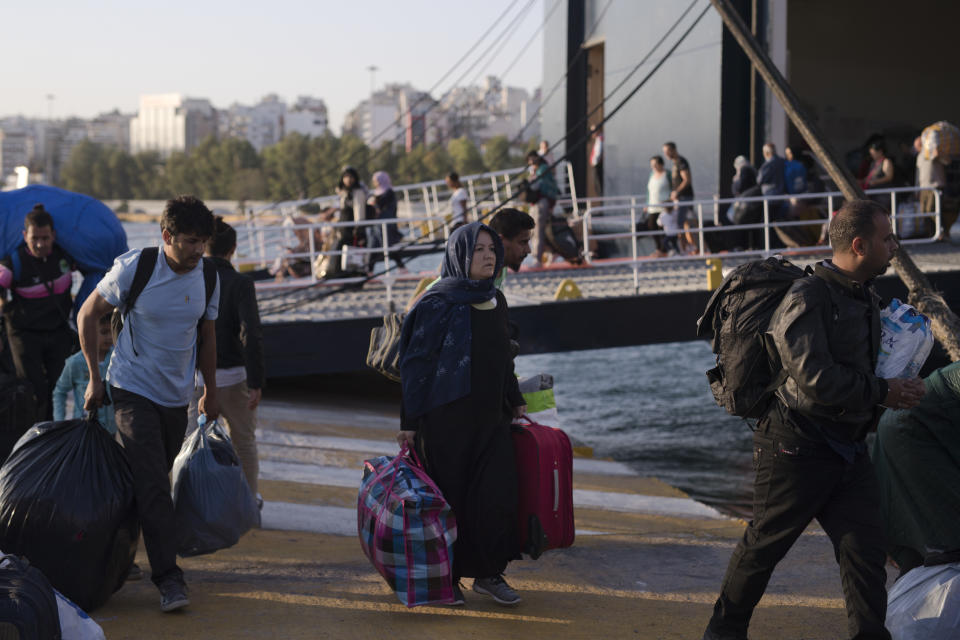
(714, 273)
(568, 290)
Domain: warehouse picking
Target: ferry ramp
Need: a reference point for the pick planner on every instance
(325, 327)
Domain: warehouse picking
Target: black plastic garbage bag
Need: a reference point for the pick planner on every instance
(212, 500)
(67, 504)
(28, 606)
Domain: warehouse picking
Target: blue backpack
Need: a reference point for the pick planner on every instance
(794, 177)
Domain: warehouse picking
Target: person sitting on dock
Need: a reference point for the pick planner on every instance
(809, 451)
(460, 395)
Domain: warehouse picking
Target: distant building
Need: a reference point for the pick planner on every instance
(397, 114)
(308, 117)
(110, 130)
(490, 110)
(171, 122)
(267, 122)
(13, 150)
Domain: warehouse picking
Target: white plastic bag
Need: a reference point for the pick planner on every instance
(925, 604)
(75, 624)
(352, 259)
(905, 341)
(907, 225)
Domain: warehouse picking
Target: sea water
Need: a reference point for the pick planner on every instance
(650, 407)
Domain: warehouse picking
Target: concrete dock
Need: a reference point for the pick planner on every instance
(647, 561)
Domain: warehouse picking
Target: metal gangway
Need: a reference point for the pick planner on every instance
(618, 219)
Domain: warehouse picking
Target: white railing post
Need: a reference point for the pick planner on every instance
(473, 200)
(893, 210)
(700, 224)
(938, 226)
(572, 189)
(496, 189)
(716, 209)
(406, 202)
(251, 235)
(436, 198)
(586, 236)
(388, 272)
(313, 250)
(766, 226)
(633, 239)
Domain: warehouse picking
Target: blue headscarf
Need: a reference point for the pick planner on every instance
(435, 339)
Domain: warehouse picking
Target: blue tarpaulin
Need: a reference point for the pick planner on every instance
(86, 229)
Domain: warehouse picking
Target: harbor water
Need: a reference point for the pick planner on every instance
(650, 407)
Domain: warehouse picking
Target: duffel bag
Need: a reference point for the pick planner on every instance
(407, 529)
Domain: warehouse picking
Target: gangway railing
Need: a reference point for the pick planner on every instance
(491, 186)
(263, 245)
(635, 206)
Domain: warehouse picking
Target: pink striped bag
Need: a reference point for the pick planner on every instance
(407, 529)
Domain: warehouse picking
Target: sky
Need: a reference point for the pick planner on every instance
(94, 57)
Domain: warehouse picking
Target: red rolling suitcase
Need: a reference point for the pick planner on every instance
(545, 470)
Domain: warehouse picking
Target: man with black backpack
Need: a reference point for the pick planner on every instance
(167, 299)
(808, 450)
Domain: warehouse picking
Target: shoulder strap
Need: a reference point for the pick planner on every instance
(16, 263)
(145, 264)
(209, 281)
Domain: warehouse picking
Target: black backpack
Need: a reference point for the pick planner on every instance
(561, 239)
(748, 369)
(145, 264)
(28, 606)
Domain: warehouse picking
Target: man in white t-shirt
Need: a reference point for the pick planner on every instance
(166, 334)
(458, 199)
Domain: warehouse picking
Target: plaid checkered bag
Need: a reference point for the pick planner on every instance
(407, 529)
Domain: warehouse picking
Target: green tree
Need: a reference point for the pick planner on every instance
(465, 156)
(284, 167)
(496, 154)
(438, 163)
(411, 166)
(355, 153)
(181, 175)
(149, 176)
(323, 167)
(78, 172)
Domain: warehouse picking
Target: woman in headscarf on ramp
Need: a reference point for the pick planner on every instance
(384, 204)
(459, 397)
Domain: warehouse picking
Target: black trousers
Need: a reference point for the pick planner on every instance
(152, 436)
(38, 356)
(797, 481)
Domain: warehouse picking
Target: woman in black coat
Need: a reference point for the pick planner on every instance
(459, 397)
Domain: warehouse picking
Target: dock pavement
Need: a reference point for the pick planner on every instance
(647, 561)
